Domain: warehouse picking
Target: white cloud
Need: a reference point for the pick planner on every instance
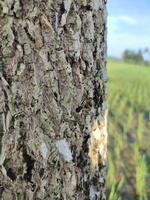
(127, 32)
(114, 21)
(117, 43)
(128, 19)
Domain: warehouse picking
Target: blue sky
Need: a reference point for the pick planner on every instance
(128, 25)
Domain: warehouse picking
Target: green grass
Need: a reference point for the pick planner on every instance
(129, 129)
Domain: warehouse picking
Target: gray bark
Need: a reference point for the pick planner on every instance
(53, 80)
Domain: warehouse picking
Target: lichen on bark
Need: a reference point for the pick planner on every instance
(53, 80)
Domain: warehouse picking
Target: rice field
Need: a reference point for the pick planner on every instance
(129, 131)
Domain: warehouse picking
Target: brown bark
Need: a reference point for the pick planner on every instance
(53, 79)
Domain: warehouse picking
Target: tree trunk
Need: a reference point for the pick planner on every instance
(53, 79)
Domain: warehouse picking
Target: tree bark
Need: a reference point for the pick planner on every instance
(53, 80)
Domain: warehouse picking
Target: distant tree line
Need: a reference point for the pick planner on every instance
(137, 57)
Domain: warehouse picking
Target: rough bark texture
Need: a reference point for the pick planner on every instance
(53, 80)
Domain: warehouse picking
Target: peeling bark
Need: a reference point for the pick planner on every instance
(53, 80)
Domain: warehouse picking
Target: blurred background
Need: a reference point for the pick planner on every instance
(129, 100)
